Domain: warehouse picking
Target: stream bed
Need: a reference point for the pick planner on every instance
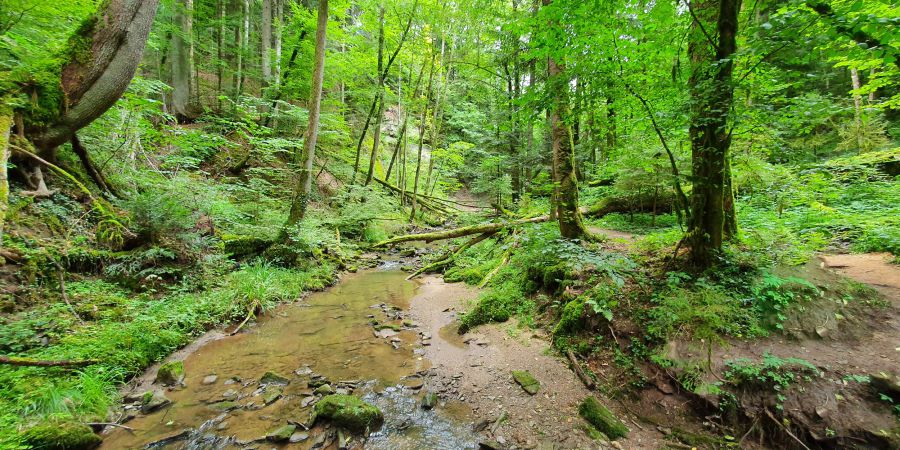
(356, 337)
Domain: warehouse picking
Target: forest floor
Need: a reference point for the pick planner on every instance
(475, 368)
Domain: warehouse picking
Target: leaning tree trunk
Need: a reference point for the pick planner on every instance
(93, 80)
(568, 216)
(712, 95)
(303, 188)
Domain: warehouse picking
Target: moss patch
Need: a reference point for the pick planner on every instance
(530, 384)
(349, 412)
(61, 436)
(601, 418)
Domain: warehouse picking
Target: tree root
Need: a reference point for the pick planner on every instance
(93, 172)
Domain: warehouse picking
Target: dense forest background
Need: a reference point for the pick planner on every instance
(229, 174)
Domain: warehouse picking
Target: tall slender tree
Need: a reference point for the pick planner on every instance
(303, 185)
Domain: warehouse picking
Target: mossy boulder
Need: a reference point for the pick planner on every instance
(350, 412)
(170, 373)
(68, 435)
(244, 246)
(530, 384)
(601, 418)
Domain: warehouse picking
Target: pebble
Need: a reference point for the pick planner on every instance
(209, 379)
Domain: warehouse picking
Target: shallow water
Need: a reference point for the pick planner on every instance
(329, 334)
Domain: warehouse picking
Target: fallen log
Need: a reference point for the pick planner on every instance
(606, 206)
(440, 209)
(460, 232)
(26, 362)
(450, 256)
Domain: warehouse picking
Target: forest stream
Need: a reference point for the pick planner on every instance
(329, 338)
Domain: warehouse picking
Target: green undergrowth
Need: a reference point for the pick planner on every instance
(128, 334)
(786, 213)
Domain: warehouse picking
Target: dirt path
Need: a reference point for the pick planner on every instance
(874, 269)
(475, 368)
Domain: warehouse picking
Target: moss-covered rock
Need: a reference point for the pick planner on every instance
(244, 246)
(68, 435)
(429, 401)
(273, 393)
(274, 378)
(349, 412)
(281, 434)
(601, 418)
(224, 406)
(153, 400)
(170, 373)
(524, 378)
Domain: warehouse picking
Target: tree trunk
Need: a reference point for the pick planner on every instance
(567, 213)
(422, 129)
(220, 52)
(6, 122)
(712, 95)
(610, 124)
(379, 115)
(266, 37)
(183, 105)
(243, 43)
(303, 187)
(279, 33)
(93, 82)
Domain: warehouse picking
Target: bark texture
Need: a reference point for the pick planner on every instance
(94, 79)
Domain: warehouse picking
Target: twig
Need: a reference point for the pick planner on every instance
(700, 24)
(614, 335)
(250, 313)
(750, 430)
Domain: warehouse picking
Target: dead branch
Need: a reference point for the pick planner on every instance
(576, 366)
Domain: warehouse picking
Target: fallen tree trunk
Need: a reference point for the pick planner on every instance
(606, 206)
(460, 232)
(14, 361)
(450, 256)
(440, 209)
